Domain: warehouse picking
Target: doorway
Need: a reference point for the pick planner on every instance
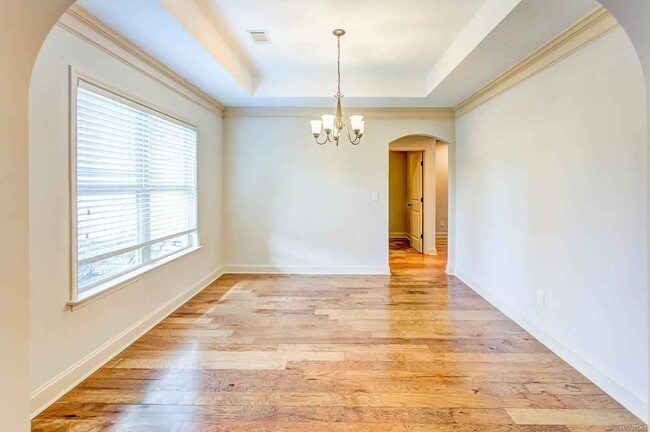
(406, 197)
(418, 195)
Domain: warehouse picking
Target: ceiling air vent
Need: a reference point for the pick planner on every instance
(259, 36)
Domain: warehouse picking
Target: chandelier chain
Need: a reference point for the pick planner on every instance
(338, 59)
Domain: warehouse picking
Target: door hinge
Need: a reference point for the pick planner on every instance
(421, 163)
(421, 199)
(421, 236)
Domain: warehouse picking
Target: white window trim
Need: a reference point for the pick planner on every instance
(119, 281)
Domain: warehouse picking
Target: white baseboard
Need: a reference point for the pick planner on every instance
(432, 251)
(48, 393)
(398, 235)
(626, 398)
(267, 269)
(450, 270)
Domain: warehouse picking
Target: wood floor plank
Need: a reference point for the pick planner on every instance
(572, 417)
(481, 416)
(414, 351)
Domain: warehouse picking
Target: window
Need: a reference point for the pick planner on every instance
(136, 194)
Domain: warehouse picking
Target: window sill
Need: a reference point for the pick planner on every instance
(127, 279)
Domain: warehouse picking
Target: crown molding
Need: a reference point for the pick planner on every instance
(88, 27)
(583, 32)
(312, 112)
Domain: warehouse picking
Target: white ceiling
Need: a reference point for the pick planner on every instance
(395, 53)
(393, 37)
(527, 27)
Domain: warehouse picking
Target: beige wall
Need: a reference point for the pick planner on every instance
(295, 206)
(398, 215)
(551, 196)
(442, 192)
(65, 344)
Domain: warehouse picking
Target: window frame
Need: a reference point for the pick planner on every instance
(119, 280)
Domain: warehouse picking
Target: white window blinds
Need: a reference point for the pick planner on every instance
(136, 186)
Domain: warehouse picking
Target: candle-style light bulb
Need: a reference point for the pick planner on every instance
(328, 122)
(355, 122)
(316, 127)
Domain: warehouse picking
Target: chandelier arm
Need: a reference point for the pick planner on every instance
(356, 140)
(321, 143)
(347, 130)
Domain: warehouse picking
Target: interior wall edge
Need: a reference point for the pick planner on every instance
(48, 393)
(451, 271)
(609, 385)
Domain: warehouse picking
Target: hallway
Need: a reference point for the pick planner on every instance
(415, 351)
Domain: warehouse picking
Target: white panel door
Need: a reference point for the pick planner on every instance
(415, 199)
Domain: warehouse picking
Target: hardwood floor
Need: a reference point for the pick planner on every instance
(417, 351)
(441, 244)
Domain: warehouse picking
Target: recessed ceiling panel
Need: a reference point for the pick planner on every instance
(388, 50)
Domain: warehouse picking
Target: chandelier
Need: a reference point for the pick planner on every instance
(333, 124)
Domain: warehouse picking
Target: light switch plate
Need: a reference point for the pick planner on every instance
(375, 196)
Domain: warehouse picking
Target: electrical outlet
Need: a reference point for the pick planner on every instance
(541, 298)
(375, 196)
(442, 223)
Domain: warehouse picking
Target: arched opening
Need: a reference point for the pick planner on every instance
(25, 24)
(417, 203)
